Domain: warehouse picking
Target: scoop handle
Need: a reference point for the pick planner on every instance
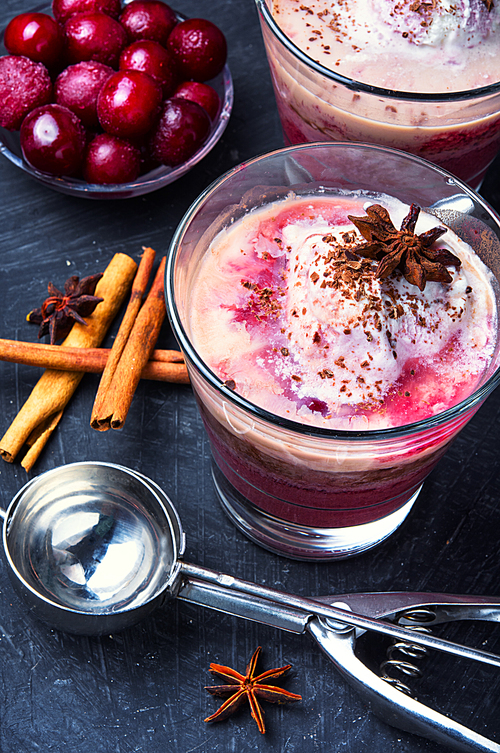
(255, 608)
(272, 598)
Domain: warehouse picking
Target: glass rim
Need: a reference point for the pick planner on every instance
(476, 398)
(359, 86)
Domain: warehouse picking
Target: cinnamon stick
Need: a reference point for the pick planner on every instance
(163, 366)
(136, 353)
(138, 290)
(40, 414)
(38, 439)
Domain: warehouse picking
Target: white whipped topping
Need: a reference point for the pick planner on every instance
(381, 338)
(330, 330)
(438, 23)
(410, 45)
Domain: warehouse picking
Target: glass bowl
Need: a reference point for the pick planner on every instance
(301, 490)
(457, 130)
(161, 176)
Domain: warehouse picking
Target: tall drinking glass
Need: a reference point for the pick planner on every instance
(460, 131)
(303, 491)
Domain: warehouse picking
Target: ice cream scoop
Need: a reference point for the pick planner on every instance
(94, 547)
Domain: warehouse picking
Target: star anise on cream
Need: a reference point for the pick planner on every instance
(402, 249)
(248, 687)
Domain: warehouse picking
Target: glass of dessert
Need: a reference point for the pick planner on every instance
(423, 77)
(337, 308)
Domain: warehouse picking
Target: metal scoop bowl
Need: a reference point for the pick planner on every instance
(92, 547)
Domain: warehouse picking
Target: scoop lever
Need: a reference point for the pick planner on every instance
(386, 700)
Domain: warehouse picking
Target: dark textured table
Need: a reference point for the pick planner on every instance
(143, 689)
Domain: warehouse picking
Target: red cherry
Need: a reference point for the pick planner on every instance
(53, 140)
(78, 87)
(64, 9)
(94, 36)
(24, 85)
(128, 104)
(182, 128)
(35, 35)
(151, 58)
(148, 19)
(202, 94)
(111, 160)
(200, 48)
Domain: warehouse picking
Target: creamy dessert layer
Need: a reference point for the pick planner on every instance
(291, 312)
(407, 45)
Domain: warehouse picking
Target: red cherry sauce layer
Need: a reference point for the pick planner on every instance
(464, 152)
(334, 497)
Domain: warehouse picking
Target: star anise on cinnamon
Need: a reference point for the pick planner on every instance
(60, 310)
(249, 687)
(403, 249)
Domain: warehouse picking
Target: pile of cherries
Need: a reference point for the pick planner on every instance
(106, 93)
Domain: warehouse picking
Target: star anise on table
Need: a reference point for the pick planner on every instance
(60, 310)
(403, 249)
(249, 687)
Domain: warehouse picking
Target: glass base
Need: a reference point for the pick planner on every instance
(301, 542)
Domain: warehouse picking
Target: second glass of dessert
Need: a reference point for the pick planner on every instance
(337, 308)
(423, 77)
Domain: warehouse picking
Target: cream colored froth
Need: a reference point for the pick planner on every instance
(426, 46)
(347, 344)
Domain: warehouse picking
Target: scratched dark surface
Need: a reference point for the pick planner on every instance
(142, 690)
